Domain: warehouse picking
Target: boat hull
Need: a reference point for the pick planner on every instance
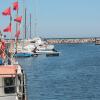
(52, 54)
(23, 55)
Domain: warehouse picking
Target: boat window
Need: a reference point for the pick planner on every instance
(32, 41)
(9, 85)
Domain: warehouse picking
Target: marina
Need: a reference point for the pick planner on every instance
(49, 50)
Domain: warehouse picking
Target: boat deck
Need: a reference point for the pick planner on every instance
(8, 97)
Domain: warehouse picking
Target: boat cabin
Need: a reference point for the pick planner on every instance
(12, 83)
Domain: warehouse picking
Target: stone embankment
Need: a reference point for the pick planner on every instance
(67, 41)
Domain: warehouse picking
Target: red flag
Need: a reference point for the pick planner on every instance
(15, 6)
(8, 29)
(7, 12)
(18, 19)
(17, 33)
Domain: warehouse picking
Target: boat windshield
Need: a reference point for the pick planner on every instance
(9, 85)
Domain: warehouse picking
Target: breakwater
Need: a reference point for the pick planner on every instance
(68, 40)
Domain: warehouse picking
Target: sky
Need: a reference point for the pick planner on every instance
(57, 18)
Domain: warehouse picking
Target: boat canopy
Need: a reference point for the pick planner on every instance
(8, 71)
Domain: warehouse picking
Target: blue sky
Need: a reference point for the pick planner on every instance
(59, 18)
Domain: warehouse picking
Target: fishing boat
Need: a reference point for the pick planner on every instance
(12, 83)
(12, 76)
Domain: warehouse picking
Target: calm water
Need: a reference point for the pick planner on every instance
(74, 75)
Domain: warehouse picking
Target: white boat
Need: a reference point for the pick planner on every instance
(21, 51)
(46, 51)
(38, 43)
(27, 48)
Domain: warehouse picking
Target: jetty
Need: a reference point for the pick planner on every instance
(70, 40)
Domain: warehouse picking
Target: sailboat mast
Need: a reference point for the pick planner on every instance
(35, 13)
(23, 19)
(25, 23)
(30, 25)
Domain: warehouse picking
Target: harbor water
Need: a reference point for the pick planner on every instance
(74, 75)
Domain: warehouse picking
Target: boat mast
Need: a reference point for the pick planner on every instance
(30, 25)
(25, 23)
(23, 19)
(35, 13)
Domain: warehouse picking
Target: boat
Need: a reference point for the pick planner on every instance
(38, 43)
(23, 54)
(12, 76)
(97, 41)
(48, 52)
(21, 51)
(12, 83)
(53, 53)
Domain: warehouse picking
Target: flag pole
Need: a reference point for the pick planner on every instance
(11, 23)
(16, 30)
(16, 17)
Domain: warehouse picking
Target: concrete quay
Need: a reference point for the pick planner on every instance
(68, 40)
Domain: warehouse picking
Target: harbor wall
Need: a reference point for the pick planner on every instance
(67, 40)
